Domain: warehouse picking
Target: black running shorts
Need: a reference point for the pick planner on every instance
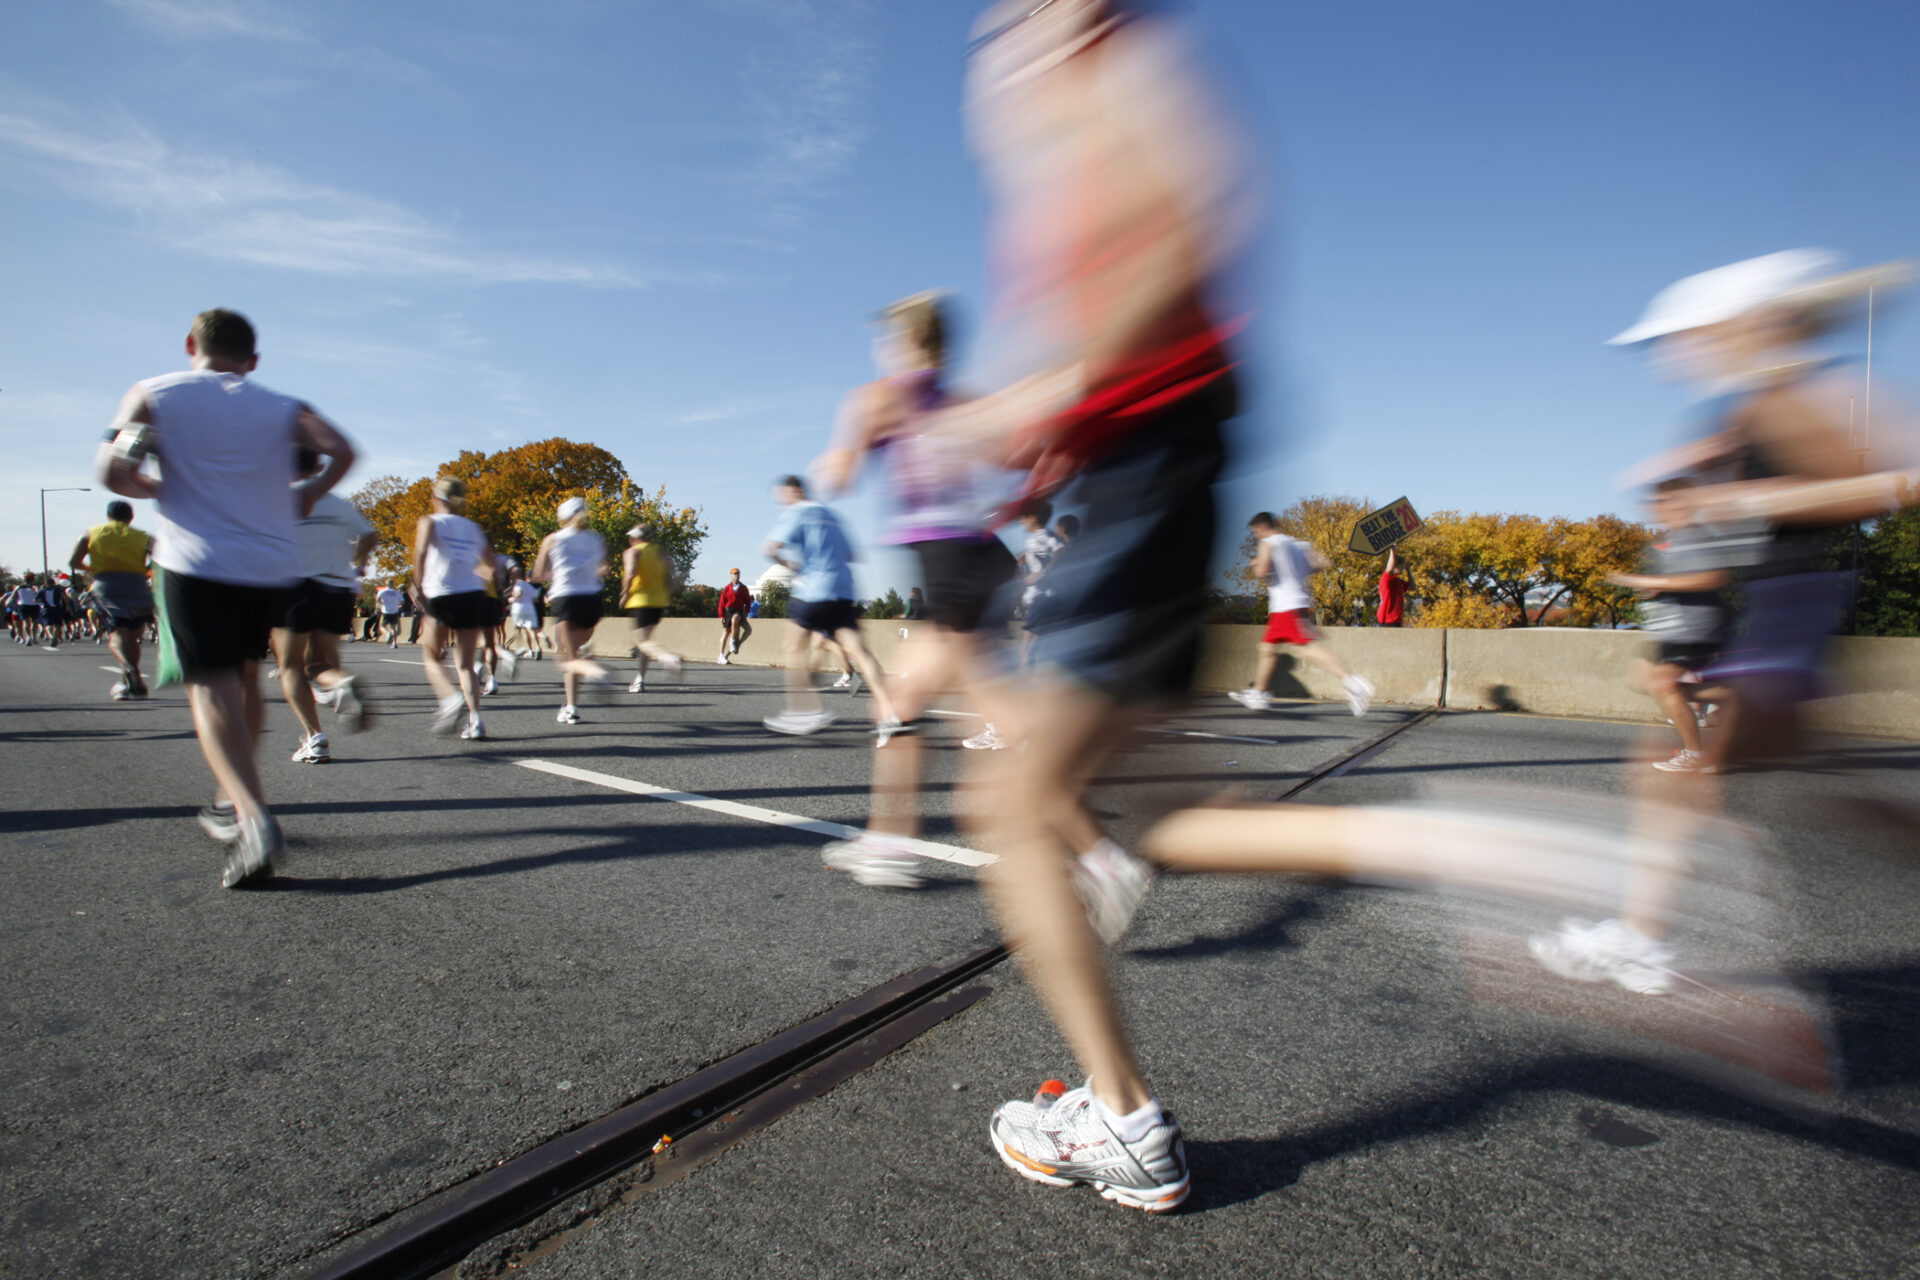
(646, 617)
(219, 627)
(1687, 656)
(823, 616)
(962, 576)
(463, 610)
(1128, 597)
(577, 611)
(319, 607)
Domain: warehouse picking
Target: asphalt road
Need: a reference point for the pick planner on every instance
(464, 956)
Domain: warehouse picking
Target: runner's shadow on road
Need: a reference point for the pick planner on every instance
(1235, 1171)
(1874, 1012)
(659, 841)
(1275, 933)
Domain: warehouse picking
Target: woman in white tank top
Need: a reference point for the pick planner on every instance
(453, 562)
(523, 600)
(572, 561)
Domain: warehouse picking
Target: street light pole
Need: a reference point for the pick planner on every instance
(46, 567)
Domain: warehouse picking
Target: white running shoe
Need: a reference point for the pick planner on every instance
(475, 730)
(314, 750)
(491, 686)
(1252, 699)
(1070, 1142)
(669, 664)
(885, 731)
(219, 821)
(1682, 761)
(639, 685)
(988, 739)
(1359, 693)
(799, 723)
(120, 692)
(1610, 951)
(725, 661)
(845, 681)
(874, 861)
(1112, 883)
(735, 646)
(568, 715)
(347, 706)
(446, 718)
(509, 664)
(251, 858)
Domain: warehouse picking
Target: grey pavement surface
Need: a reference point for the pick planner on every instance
(463, 957)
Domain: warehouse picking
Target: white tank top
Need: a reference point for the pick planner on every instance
(227, 510)
(456, 558)
(575, 556)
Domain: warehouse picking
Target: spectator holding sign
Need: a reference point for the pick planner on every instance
(1393, 591)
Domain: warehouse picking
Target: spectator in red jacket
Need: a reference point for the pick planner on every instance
(1393, 591)
(734, 599)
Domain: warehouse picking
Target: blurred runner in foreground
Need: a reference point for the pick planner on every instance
(1782, 478)
(934, 508)
(1112, 181)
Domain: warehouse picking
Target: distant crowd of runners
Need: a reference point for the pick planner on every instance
(1117, 208)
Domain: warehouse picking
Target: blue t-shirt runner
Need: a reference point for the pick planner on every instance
(812, 537)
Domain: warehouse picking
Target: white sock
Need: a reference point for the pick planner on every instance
(1105, 850)
(1134, 1125)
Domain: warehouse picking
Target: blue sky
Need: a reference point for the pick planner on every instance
(659, 226)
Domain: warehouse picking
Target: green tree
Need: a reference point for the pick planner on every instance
(773, 598)
(1889, 599)
(695, 600)
(887, 606)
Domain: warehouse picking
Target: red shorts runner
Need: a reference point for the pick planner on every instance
(1293, 627)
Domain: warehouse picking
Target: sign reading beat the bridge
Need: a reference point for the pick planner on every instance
(1376, 532)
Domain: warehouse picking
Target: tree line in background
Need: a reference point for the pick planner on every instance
(1491, 571)
(515, 496)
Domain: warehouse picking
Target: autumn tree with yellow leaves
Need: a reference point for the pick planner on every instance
(515, 496)
(1468, 570)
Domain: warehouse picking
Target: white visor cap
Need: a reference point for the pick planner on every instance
(1729, 291)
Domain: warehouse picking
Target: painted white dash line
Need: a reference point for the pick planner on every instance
(951, 715)
(753, 813)
(401, 662)
(1221, 737)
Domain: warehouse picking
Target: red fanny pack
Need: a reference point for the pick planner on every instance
(1101, 420)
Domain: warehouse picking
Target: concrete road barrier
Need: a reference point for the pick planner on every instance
(1553, 671)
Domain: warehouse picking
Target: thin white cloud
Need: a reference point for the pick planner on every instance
(238, 210)
(191, 20)
(808, 96)
(811, 402)
(205, 18)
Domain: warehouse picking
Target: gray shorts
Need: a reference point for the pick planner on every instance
(126, 598)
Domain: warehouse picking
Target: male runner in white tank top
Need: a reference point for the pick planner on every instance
(228, 544)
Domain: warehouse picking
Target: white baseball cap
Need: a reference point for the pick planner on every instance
(1726, 292)
(572, 507)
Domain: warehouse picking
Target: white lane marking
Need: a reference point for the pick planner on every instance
(115, 670)
(754, 813)
(1223, 737)
(401, 662)
(1184, 733)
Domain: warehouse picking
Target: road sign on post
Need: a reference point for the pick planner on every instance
(1376, 532)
